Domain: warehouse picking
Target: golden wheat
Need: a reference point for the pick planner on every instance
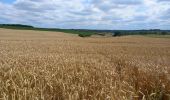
(37, 65)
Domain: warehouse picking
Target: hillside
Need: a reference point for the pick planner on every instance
(87, 32)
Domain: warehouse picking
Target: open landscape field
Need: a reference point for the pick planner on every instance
(41, 65)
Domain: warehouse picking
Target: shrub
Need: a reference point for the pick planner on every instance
(117, 33)
(164, 33)
(84, 35)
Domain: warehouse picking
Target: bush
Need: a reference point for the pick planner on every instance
(164, 33)
(117, 33)
(84, 35)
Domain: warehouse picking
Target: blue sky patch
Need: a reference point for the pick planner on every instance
(7, 1)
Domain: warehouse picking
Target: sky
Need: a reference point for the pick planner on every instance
(87, 14)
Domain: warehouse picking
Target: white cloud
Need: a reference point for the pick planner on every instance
(98, 14)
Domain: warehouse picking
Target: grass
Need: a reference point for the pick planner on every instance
(58, 66)
(158, 36)
(72, 31)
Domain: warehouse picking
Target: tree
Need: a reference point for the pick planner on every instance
(117, 33)
(164, 33)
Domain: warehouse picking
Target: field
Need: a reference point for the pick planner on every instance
(158, 36)
(41, 65)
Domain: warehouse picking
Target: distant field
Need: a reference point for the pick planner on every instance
(26, 27)
(40, 65)
(158, 36)
(88, 32)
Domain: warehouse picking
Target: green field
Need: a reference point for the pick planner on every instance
(158, 36)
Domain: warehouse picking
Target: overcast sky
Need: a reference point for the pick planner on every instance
(88, 14)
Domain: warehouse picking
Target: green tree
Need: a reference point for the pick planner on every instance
(117, 33)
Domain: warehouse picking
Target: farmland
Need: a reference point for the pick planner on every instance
(88, 32)
(42, 65)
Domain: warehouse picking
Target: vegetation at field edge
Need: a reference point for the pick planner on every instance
(88, 33)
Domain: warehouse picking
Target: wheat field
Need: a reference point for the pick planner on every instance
(37, 65)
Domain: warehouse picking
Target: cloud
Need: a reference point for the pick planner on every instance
(166, 15)
(164, 0)
(98, 14)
